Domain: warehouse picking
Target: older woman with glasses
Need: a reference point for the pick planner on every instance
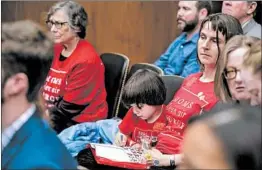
(74, 90)
(229, 85)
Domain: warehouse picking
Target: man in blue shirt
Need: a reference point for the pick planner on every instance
(181, 56)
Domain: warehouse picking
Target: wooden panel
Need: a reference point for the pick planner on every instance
(142, 30)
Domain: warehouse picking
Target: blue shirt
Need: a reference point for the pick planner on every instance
(181, 57)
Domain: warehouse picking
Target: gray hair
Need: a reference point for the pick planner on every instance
(77, 16)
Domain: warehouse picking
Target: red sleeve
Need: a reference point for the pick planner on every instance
(82, 83)
(127, 125)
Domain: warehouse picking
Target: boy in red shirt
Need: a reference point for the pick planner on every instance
(145, 93)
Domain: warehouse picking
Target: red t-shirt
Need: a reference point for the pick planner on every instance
(191, 99)
(78, 79)
(135, 127)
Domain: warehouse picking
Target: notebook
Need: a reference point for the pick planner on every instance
(125, 157)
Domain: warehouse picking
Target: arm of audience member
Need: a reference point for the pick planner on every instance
(165, 159)
(192, 66)
(125, 129)
(79, 91)
(163, 59)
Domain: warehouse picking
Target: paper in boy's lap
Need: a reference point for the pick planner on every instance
(126, 157)
(120, 154)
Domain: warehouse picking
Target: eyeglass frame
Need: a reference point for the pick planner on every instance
(56, 23)
(235, 70)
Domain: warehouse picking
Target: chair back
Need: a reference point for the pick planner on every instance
(116, 68)
(172, 83)
(138, 66)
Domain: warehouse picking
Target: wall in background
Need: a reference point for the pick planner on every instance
(141, 30)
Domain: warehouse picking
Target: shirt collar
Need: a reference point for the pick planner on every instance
(245, 23)
(9, 132)
(193, 39)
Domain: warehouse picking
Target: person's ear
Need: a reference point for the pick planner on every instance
(15, 85)
(251, 8)
(202, 14)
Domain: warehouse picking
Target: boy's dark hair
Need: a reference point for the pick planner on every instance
(26, 49)
(145, 87)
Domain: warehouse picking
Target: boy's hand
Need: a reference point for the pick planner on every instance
(120, 139)
(137, 146)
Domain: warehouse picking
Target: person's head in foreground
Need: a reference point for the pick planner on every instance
(27, 53)
(229, 84)
(67, 22)
(230, 139)
(251, 71)
(215, 31)
(145, 92)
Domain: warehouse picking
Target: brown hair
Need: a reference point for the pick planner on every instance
(221, 86)
(226, 24)
(76, 13)
(27, 49)
(253, 58)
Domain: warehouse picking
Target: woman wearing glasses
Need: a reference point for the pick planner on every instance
(74, 90)
(229, 86)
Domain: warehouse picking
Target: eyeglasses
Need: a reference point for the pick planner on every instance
(231, 73)
(57, 24)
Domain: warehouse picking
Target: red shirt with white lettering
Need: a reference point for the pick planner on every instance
(191, 99)
(78, 79)
(136, 128)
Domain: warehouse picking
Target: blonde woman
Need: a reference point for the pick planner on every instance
(229, 85)
(251, 72)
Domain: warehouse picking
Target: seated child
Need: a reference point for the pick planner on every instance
(145, 94)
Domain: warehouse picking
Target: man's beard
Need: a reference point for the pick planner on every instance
(191, 25)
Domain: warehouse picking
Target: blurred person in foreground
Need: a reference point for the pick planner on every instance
(230, 139)
(27, 140)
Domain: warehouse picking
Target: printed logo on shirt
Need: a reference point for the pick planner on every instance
(52, 86)
(139, 134)
(159, 126)
(176, 122)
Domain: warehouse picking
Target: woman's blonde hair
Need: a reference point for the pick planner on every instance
(221, 86)
(253, 58)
